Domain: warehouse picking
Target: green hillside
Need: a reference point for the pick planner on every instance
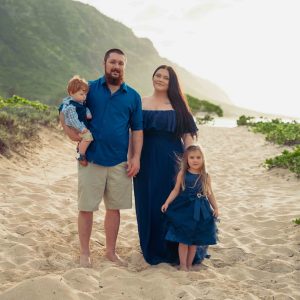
(44, 43)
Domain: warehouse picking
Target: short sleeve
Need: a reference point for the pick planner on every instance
(64, 103)
(136, 118)
(88, 113)
(192, 127)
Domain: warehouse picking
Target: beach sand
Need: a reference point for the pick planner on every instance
(257, 257)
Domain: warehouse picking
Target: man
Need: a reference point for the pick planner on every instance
(115, 108)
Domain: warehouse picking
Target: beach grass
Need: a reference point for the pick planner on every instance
(278, 132)
(20, 121)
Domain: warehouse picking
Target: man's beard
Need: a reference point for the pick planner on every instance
(113, 80)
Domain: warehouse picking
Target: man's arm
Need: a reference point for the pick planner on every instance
(70, 132)
(72, 120)
(134, 153)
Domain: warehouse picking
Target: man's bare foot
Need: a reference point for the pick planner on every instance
(116, 259)
(85, 261)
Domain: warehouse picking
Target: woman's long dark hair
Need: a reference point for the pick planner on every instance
(184, 119)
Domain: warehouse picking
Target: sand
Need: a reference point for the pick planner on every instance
(257, 257)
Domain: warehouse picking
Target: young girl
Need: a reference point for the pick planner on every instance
(191, 218)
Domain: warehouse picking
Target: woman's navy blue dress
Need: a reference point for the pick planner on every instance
(190, 216)
(154, 183)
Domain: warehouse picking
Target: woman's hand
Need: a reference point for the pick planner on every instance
(164, 207)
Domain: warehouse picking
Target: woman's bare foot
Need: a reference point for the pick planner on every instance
(116, 259)
(85, 261)
(183, 268)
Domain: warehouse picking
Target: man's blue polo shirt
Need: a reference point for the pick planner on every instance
(112, 116)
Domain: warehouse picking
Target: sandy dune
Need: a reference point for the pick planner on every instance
(257, 257)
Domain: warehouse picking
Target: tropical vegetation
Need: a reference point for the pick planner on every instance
(20, 122)
(282, 133)
(198, 105)
(297, 221)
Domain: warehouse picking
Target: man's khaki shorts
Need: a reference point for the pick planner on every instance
(110, 183)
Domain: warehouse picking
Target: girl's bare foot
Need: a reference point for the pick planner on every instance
(116, 259)
(85, 261)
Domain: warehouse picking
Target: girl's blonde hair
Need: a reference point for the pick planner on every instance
(203, 176)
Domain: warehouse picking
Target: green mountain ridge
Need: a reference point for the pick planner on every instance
(44, 43)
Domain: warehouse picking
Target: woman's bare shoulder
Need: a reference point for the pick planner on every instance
(147, 98)
(146, 101)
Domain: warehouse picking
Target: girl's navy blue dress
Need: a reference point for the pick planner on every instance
(154, 183)
(190, 216)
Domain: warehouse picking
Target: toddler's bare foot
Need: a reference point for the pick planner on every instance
(83, 163)
(116, 259)
(82, 160)
(85, 261)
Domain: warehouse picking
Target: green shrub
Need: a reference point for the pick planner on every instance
(288, 160)
(282, 133)
(205, 119)
(244, 121)
(19, 101)
(276, 131)
(297, 221)
(20, 120)
(197, 105)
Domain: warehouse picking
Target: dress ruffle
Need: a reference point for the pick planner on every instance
(159, 120)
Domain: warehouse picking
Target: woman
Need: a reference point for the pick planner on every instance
(168, 128)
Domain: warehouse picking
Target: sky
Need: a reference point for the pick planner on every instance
(249, 48)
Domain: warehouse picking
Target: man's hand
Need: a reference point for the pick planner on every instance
(70, 132)
(133, 166)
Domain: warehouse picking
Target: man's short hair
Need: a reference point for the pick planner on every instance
(113, 50)
(76, 84)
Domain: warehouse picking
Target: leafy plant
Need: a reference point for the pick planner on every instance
(277, 131)
(205, 119)
(244, 121)
(20, 120)
(198, 105)
(297, 221)
(19, 101)
(288, 159)
(282, 133)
